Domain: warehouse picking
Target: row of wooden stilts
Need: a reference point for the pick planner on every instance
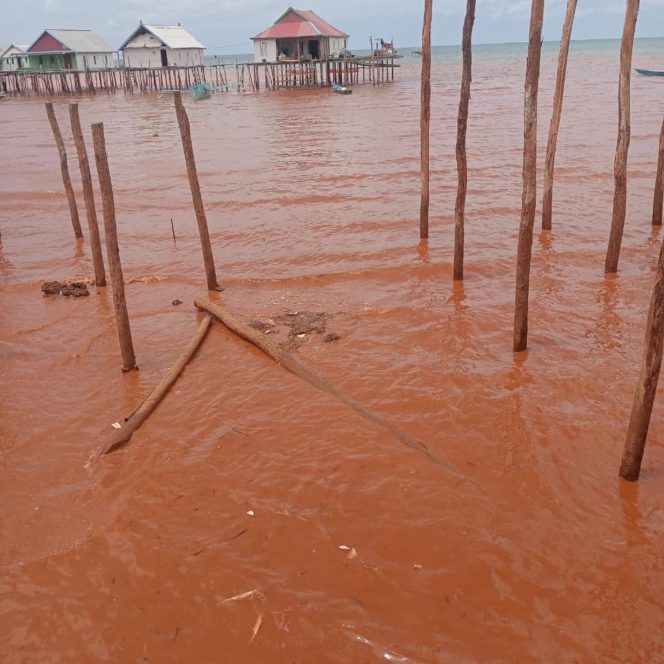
(654, 340)
(92, 81)
(248, 76)
(289, 75)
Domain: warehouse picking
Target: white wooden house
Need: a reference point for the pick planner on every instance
(161, 46)
(14, 57)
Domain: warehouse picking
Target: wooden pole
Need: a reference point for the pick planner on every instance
(71, 199)
(646, 387)
(547, 201)
(624, 130)
(112, 249)
(88, 196)
(185, 133)
(528, 199)
(462, 126)
(425, 115)
(659, 183)
(122, 436)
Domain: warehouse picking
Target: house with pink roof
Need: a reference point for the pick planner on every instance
(299, 35)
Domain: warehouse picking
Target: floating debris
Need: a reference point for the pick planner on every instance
(246, 595)
(257, 626)
(65, 288)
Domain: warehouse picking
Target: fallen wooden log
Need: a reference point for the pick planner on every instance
(134, 421)
(290, 363)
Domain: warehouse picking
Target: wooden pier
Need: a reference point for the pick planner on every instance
(249, 76)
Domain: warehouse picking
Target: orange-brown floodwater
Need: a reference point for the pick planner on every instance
(357, 548)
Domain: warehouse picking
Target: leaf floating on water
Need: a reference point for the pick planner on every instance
(343, 547)
(246, 595)
(116, 425)
(251, 513)
(257, 626)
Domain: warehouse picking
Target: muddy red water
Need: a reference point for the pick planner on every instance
(255, 519)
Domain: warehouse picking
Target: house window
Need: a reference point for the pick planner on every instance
(263, 48)
(41, 59)
(94, 57)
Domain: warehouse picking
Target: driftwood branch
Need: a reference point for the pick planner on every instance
(136, 419)
(290, 363)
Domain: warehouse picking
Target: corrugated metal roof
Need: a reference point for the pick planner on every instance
(20, 48)
(171, 36)
(80, 41)
(295, 23)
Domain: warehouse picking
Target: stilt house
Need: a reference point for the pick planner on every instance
(69, 49)
(14, 57)
(299, 35)
(161, 46)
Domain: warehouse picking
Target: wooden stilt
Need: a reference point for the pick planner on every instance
(425, 116)
(462, 126)
(659, 183)
(88, 196)
(646, 387)
(113, 250)
(185, 133)
(624, 130)
(66, 180)
(547, 202)
(529, 194)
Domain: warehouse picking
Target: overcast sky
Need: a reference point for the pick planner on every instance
(225, 26)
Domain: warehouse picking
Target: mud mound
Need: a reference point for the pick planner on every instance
(66, 289)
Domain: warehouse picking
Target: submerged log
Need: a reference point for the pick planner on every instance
(88, 196)
(646, 387)
(462, 126)
(113, 250)
(658, 200)
(199, 209)
(624, 131)
(528, 201)
(425, 117)
(64, 169)
(136, 419)
(547, 201)
(290, 363)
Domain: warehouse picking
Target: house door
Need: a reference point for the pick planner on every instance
(164, 58)
(314, 51)
(67, 60)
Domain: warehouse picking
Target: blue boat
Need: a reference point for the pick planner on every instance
(650, 72)
(341, 89)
